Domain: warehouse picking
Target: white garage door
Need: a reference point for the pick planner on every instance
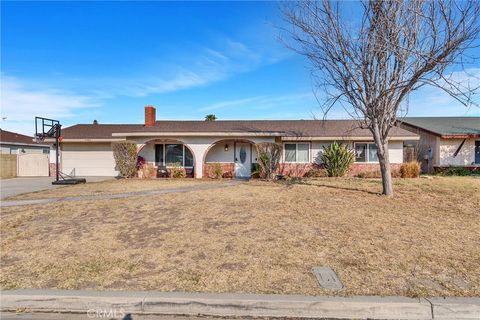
(88, 159)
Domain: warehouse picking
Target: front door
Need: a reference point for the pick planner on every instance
(243, 160)
(477, 152)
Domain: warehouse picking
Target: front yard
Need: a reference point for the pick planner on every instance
(257, 237)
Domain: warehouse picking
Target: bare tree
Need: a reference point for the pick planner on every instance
(268, 155)
(370, 65)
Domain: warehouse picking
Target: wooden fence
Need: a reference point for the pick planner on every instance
(8, 165)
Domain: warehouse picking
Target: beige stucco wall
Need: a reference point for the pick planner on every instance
(198, 145)
(89, 159)
(447, 147)
(217, 153)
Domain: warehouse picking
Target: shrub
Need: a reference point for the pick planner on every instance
(337, 159)
(255, 171)
(227, 175)
(177, 171)
(147, 170)
(410, 169)
(217, 171)
(140, 162)
(125, 154)
(317, 173)
(369, 174)
(268, 156)
(454, 171)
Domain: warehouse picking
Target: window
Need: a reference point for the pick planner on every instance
(174, 154)
(290, 152)
(159, 154)
(297, 152)
(188, 157)
(170, 154)
(366, 152)
(372, 152)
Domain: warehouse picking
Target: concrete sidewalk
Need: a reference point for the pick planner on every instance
(237, 305)
(16, 186)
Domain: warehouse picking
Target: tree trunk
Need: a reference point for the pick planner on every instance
(385, 170)
(384, 161)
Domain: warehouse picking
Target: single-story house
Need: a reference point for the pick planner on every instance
(16, 143)
(200, 146)
(445, 141)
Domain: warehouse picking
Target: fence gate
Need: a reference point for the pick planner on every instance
(32, 165)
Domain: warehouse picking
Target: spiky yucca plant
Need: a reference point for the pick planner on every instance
(337, 159)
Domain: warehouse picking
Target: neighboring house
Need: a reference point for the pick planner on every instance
(200, 146)
(15, 143)
(445, 141)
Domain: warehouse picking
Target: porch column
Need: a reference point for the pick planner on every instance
(199, 151)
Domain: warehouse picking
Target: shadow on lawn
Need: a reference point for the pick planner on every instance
(291, 182)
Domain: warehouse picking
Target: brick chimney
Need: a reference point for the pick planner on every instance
(150, 116)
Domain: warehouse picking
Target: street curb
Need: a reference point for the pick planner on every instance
(229, 304)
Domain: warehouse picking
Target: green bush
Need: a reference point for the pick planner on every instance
(177, 171)
(337, 159)
(217, 171)
(125, 154)
(410, 169)
(454, 171)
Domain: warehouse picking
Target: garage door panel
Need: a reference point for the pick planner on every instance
(88, 159)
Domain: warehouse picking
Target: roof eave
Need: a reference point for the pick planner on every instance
(349, 138)
(460, 136)
(51, 140)
(197, 134)
(25, 144)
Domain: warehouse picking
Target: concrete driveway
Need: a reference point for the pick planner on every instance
(16, 186)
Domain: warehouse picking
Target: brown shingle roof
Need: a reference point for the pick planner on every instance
(291, 128)
(447, 126)
(14, 138)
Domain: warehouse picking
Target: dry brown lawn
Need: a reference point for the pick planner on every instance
(111, 187)
(257, 237)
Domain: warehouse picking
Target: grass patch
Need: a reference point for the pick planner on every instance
(110, 187)
(258, 237)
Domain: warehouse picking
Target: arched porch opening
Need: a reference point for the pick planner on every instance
(168, 153)
(229, 158)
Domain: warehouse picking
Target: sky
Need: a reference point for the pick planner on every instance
(84, 61)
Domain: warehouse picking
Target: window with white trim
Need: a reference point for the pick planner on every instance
(171, 154)
(297, 152)
(366, 152)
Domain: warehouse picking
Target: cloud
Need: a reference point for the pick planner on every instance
(299, 104)
(431, 101)
(232, 103)
(22, 101)
(58, 97)
(200, 66)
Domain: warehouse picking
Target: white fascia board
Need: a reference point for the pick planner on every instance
(399, 138)
(197, 134)
(87, 140)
